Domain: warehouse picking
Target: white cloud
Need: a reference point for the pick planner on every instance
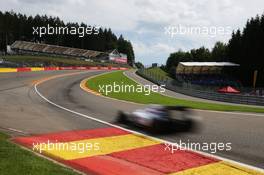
(142, 48)
(152, 53)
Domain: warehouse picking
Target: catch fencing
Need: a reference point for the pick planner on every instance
(202, 92)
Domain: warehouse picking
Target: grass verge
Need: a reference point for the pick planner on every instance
(157, 72)
(156, 98)
(15, 160)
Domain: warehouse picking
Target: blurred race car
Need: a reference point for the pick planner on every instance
(159, 118)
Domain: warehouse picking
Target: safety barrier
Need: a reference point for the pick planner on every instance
(30, 69)
(210, 95)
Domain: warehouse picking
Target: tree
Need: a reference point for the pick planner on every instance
(201, 54)
(219, 52)
(139, 65)
(245, 48)
(126, 47)
(15, 26)
(175, 58)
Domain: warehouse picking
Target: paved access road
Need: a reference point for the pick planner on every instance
(22, 109)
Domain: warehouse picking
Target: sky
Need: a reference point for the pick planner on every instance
(156, 28)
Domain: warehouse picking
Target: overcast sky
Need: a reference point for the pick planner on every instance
(143, 22)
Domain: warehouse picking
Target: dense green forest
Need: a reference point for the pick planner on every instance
(245, 48)
(16, 26)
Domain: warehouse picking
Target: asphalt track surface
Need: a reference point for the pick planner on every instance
(23, 110)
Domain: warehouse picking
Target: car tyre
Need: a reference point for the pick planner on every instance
(122, 117)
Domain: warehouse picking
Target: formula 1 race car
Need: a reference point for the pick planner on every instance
(159, 118)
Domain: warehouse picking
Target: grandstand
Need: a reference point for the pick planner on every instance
(24, 47)
(207, 73)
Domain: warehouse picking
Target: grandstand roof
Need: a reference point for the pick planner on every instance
(202, 67)
(208, 64)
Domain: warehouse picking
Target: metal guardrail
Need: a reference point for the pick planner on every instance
(205, 94)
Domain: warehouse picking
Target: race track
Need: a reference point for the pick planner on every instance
(22, 109)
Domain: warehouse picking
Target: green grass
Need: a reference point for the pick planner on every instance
(156, 98)
(15, 160)
(158, 73)
(56, 61)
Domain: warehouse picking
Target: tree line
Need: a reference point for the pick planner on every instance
(245, 48)
(202, 54)
(16, 26)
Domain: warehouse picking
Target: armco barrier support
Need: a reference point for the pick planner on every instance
(50, 68)
(81, 68)
(104, 68)
(24, 69)
(230, 98)
(93, 68)
(37, 68)
(66, 68)
(4, 70)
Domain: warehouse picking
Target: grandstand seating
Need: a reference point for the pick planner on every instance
(78, 52)
(209, 80)
(23, 46)
(207, 73)
(68, 51)
(60, 50)
(38, 48)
